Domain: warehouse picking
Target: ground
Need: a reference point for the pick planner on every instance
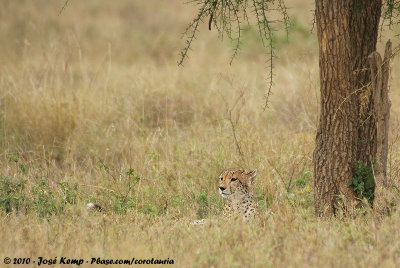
(93, 108)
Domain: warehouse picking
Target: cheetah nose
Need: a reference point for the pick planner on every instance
(222, 188)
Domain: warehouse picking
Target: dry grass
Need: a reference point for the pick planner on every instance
(90, 94)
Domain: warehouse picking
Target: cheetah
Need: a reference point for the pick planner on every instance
(235, 186)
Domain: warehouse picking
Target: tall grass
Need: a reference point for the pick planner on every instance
(94, 108)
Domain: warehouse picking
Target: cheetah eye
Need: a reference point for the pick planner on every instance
(233, 179)
(220, 178)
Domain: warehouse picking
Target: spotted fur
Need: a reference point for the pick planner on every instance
(235, 185)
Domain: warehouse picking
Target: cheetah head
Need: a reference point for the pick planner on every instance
(234, 183)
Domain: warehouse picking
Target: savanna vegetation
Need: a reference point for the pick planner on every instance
(93, 107)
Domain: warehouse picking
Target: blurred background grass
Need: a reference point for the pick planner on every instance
(93, 107)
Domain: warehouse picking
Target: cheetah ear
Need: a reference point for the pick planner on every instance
(251, 177)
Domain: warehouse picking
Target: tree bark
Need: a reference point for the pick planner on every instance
(347, 34)
(380, 72)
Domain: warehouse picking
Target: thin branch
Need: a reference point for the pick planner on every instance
(212, 14)
(63, 7)
(285, 15)
(194, 25)
(236, 49)
(228, 17)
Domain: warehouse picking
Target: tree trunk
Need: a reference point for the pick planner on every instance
(380, 85)
(347, 34)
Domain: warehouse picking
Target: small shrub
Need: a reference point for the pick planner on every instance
(43, 201)
(20, 166)
(12, 158)
(69, 192)
(302, 180)
(12, 196)
(363, 182)
(124, 182)
(121, 204)
(148, 208)
(262, 198)
(23, 168)
(176, 201)
(202, 201)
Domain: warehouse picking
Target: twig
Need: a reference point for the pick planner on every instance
(63, 7)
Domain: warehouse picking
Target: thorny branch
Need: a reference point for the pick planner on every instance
(228, 16)
(63, 7)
